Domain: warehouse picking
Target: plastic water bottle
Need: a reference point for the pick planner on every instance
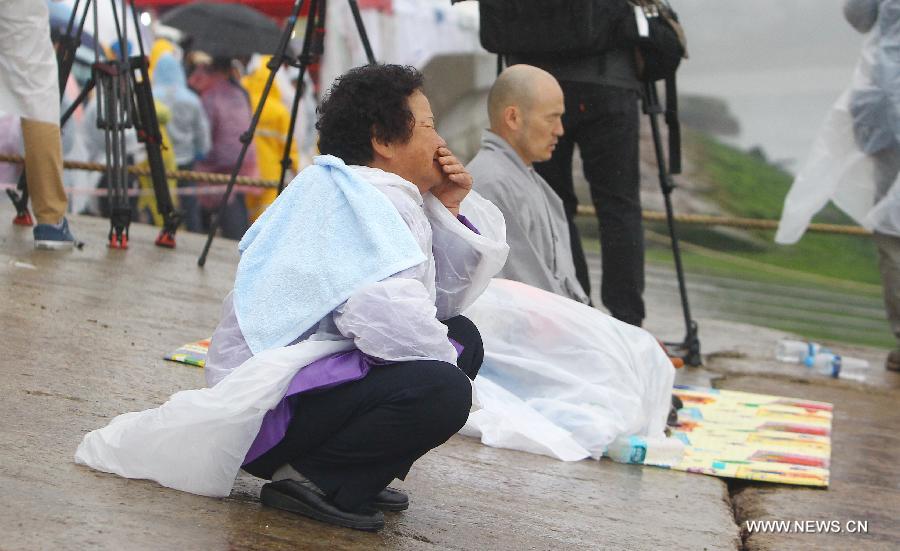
(640, 450)
(795, 351)
(837, 366)
(822, 360)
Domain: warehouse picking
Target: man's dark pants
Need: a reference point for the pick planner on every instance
(190, 208)
(354, 439)
(604, 122)
(235, 220)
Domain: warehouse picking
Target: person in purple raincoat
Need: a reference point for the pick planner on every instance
(228, 111)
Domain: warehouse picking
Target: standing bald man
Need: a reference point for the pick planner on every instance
(525, 107)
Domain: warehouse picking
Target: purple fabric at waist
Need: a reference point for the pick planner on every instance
(468, 223)
(327, 372)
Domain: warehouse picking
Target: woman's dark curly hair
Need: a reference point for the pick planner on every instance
(367, 102)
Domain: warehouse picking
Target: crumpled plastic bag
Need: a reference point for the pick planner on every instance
(561, 378)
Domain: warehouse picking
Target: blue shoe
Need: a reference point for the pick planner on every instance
(53, 238)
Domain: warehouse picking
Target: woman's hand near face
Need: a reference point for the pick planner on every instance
(456, 184)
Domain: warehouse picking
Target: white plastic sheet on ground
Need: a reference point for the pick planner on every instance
(561, 378)
(197, 440)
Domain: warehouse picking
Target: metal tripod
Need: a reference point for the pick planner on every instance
(124, 100)
(312, 50)
(689, 348)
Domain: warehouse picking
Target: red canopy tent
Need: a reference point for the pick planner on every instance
(277, 9)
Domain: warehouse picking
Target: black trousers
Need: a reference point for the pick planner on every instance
(190, 208)
(604, 122)
(354, 439)
(235, 220)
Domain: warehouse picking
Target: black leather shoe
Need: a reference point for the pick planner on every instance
(677, 404)
(296, 497)
(892, 363)
(391, 499)
(672, 419)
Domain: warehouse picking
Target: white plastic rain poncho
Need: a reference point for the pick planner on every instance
(28, 74)
(197, 440)
(188, 126)
(563, 379)
(863, 125)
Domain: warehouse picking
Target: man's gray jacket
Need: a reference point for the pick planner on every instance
(536, 227)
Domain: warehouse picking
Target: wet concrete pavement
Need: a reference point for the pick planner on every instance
(84, 335)
(865, 485)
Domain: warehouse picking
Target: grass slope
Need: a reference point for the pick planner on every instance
(747, 186)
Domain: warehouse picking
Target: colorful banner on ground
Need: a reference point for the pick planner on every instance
(754, 436)
(193, 353)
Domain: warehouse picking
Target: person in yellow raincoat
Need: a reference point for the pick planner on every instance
(160, 47)
(270, 137)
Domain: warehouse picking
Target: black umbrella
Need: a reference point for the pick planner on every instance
(225, 30)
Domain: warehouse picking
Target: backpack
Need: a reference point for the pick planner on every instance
(659, 46)
(658, 37)
(567, 27)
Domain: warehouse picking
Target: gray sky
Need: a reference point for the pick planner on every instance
(762, 35)
(780, 65)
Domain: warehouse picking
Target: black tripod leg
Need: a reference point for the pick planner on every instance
(305, 59)
(79, 100)
(115, 97)
(690, 347)
(247, 137)
(125, 116)
(361, 28)
(120, 218)
(289, 139)
(20, 201)
(113, 117)
(68, 44)
(147, 125)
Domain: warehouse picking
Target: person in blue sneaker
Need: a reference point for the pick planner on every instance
(29, 88)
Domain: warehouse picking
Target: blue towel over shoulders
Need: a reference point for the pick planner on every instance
(329, 233)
